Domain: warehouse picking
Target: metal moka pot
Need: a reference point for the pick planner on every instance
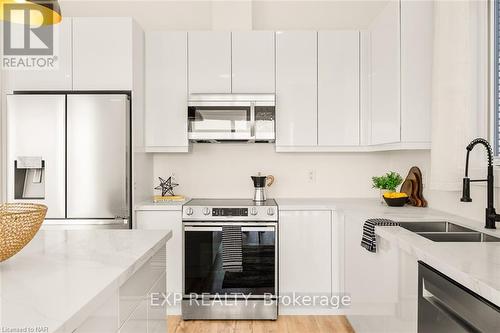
(260, 183)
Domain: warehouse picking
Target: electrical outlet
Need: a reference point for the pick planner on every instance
(311, 176)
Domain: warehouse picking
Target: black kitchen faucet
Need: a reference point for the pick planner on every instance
(491, 214)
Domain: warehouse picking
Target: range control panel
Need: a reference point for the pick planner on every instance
(207, 213)
(229, 211)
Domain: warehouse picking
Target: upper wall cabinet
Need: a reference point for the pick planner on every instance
(385, 76)
(253, 62)
(57, 79)
(103, 53)
(94, 53)
(209, 62)
(296, 88)
(166, 92)
(417, 30)
(338, 88)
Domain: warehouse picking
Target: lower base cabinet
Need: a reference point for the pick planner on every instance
(171, 220)
(383, 286)
(136, 306)
(305, 257)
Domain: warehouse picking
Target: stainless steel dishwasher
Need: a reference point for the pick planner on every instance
(446, 306)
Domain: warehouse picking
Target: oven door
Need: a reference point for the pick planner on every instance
(203, 272)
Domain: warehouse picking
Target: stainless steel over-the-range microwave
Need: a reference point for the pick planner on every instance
(231, 117)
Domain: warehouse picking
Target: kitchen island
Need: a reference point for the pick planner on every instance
(86, 281)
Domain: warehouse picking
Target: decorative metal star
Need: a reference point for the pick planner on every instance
(166, 186)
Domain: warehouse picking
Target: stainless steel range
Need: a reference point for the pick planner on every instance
(210, 289)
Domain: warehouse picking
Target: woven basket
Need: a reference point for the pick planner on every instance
(19, 222)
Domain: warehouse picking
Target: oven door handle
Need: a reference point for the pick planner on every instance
(244, 229)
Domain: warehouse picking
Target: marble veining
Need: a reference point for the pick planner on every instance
(62, 275)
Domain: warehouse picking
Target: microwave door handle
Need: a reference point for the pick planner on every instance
(252, 120)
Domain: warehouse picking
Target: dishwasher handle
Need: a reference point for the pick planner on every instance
(447, 310)
(219, 229)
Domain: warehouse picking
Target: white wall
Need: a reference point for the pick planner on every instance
(473, 21)
(224, 170)
(234, 15)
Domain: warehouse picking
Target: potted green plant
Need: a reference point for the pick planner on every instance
(387, 183)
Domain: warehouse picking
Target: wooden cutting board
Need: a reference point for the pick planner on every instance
(413, 187)
(420, 186)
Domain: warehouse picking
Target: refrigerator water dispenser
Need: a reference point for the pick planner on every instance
(29, 178)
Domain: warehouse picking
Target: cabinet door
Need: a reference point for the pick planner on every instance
(166, 93)
(55, 79)
(253, 62)
(104, 319)
(416, 70)
(102, 53)
(138, 320)
(209, 62)
(296, 88)
(167, 220)
(385, 77)
(305, 252)
(338, 88)
(364, 270)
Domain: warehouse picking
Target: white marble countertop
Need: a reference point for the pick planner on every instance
(57, 280)
(474, 265)
(167, 205)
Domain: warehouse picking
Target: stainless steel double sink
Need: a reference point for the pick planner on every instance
(442, 231)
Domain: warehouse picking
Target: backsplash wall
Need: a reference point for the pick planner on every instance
(224, 170)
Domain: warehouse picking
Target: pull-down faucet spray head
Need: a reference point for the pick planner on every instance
(466, 182)
(466, 191)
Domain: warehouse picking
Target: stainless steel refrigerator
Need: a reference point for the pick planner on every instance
(71, 152)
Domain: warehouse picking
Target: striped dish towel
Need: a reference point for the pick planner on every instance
(232, 257)
(369, 241)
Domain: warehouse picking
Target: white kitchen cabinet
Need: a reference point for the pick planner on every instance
(138, 320)
(209, 62)
(370, 278)
(134, 306)
(103, 53)
(253, 62)
(385, 76)
(338, 88)
(305, 258)
(54, 79)
(166, 92)
(383, 285)
(171, 220)
(104, 319)
(417, 28)
(296, 88)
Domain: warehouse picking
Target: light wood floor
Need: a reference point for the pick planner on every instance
(285, 324)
